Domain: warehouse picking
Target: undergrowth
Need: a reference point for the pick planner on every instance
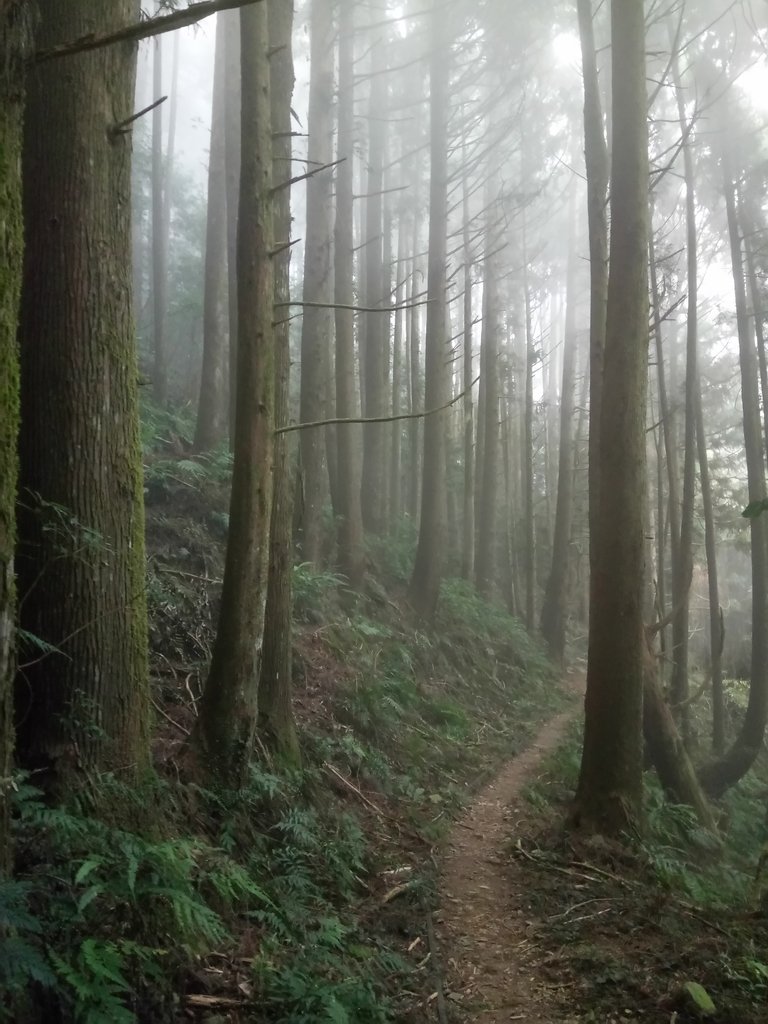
(273, 903)
(674, 911)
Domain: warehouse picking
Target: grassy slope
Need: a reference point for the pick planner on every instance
(301, 898)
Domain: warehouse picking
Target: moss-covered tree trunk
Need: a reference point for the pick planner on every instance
(225, 728)
(609, 794)
(81, 700)
(14, 15)
(276, 723)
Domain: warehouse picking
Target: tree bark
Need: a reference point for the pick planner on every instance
(224, 731)
(669, 433)
(667, 750)
(485, 550)
(681, 593)
(598, 169)
(211, 427)
(316, 323)
(375, 332)
(276, 723)
(348, 438)
(396, 452)
(15, 36)
(726, 771)
(428, 569)
(416, 392)
(81, 706)
(159, 238)
(468, 518)
(529, 517)
(716, 631)
(232, 161)
(554, 610)
(610, 791)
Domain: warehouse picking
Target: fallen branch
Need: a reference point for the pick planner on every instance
(168, 718)
(442, 1009)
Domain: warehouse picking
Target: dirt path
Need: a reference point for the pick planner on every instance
(484, 932)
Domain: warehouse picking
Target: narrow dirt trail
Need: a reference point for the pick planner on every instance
(485, 936)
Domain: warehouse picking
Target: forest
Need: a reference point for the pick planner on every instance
(383, 511)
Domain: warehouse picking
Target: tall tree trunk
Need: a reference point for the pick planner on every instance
(224, 731)
(554, 611)
(276, 723)
(758, 314)
(681, 594)
(716, 631)
(14, 37)
(427, 572)
(610, 789)
(211, 427)
(468, 518)
(736, 762)
(316, 323)
(375, 332)
(348, 438)
(529, 515)
(488, 470)
(82, 706)
(416, 392)
(395, 463)
(598, 167)
(230, 21)
(669, 433)
(159, 238)
(667, 750)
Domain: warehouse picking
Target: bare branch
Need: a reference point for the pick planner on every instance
(308, 174)
(141, 29)
(355, 309)
(377, 419)
(122, 126)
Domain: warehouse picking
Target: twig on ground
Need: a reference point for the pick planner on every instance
(442, 1009)
(168, 718)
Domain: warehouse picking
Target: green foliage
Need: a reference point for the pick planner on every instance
(394, 554)
(312, 588)
(124, 911)
(21, 960)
